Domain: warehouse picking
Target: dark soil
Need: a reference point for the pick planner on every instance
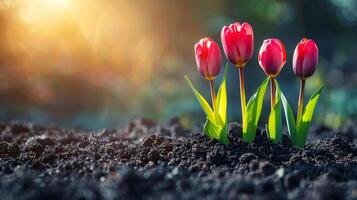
(148, 161)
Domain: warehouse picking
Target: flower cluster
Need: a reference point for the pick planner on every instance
(238, 46)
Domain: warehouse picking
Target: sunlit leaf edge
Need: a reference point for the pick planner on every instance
(253, 111)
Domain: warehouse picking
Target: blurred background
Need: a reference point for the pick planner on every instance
(95, 64)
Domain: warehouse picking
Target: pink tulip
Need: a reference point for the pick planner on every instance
(305, 58)
(272, 57)
(208, 58)
(238, 43)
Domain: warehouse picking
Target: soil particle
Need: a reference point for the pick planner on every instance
(266, 168)
(247, 157)
(253, 165)
(150, 161)
(9, 149)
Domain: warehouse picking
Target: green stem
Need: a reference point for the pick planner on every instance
(213, 95)
(272, 92)
(242, 90)
(301, 102)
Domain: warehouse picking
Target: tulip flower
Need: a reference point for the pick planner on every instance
(272, 57)
(238, 45)
(208, 59)
(305, 60)
(304, 64)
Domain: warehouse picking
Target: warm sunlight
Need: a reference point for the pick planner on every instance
(105, 49)
(102, 37)
(57, 3)
(43, 11)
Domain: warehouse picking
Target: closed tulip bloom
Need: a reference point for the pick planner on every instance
(272, 57)
(305, 58)
(208, 58)
(238, 43)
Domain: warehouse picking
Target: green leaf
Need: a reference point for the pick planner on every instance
(221, 102)
(212, 130)
(252, 113)
(303, 128)
(224, 134)
(216, 123)
(205, 106)
(274, 123)
(290, 119)
(216, 132)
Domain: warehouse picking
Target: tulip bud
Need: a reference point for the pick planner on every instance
(272, 57)
(305, 58)
(238, 43)
(208, 58)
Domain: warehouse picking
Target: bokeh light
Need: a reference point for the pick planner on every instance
(98, 64)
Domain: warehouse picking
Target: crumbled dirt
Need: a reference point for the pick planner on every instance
(149, 161)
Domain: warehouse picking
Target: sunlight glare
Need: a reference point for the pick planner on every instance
(37, 11)
(57, 3)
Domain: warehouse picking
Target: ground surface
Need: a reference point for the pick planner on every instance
(148, 161)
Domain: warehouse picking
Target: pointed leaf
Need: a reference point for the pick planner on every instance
(204, 104)
(224, 135)
(221, 102)
(290, 119)
(307, 117)
(253, 111)
(274, 123)
(212, 130)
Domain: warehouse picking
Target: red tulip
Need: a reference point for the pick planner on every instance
(238, 43)
(305, 58)
(208, 58)
(272, 56)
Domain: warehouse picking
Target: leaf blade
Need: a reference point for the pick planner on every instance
(204, 104)
(253, 111)
(224, 134)
(211, 129)
(290, 119)
(304, 126)
(274, 122)
(221, 102)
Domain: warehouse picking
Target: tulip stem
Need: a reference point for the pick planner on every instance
(301, 102)
(242, 90)
(272, 90)
(213, 95)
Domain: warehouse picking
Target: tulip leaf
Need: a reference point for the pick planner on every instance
(290, 119)
(216, 123)
(224, 134)
(253, 111)
(211, 129)
(274, 123)
(204, 104)
(221, 102)
(304, 126)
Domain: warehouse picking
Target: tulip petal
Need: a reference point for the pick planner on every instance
(237, 42)
(305, 58)
(272, 57)
(310, 59)
(298, 59)
(208, 58)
